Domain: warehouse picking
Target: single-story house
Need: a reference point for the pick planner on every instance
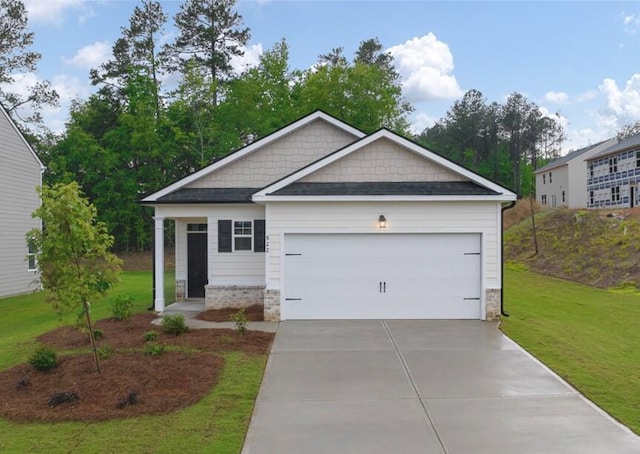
(563, 182)
(321, 221)
(20, 175)
(614, 175)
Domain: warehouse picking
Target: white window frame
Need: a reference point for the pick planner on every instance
(242, 235)
(31, 257)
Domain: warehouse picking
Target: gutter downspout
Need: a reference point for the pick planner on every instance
(504, 208)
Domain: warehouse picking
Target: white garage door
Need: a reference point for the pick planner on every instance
(375, 276)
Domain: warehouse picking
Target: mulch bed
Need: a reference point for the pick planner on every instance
(138, 383)
(254, 313)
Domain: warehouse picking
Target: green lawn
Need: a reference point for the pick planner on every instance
(217, 423)
(588, 336)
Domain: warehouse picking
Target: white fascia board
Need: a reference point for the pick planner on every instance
(383, 133)
(27, 144)
(386, 198)
(251, 148)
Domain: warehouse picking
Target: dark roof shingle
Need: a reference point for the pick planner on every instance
(209, 195)
(386, 188)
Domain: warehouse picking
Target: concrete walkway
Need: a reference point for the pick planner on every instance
(454, 387)
(191, 309)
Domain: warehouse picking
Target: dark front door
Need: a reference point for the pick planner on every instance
(196, 264)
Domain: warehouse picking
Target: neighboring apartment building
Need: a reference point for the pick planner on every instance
(563, 182)
(20, 175)
(614, 175)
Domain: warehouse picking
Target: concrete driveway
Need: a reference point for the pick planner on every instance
(455, 387)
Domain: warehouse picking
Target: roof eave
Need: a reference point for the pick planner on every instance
(385, 198)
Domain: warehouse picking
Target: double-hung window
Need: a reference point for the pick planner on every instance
(32, 265)
(615, 194)
(248, 236)
(242, 235)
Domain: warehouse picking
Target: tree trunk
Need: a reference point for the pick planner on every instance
(91, 337)
(533, 222)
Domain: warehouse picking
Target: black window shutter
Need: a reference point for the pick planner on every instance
(224, 236)
(258, 235)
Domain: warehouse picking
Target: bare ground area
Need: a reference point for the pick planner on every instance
(593, 247)
(132, 383)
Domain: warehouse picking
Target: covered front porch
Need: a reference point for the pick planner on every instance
(219, 255)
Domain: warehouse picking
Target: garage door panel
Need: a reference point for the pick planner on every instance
(342, 276)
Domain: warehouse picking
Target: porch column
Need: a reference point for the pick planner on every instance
(159, 264)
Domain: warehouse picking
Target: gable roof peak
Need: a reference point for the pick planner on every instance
(254, 146)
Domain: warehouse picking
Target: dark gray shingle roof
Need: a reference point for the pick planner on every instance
(386, 188)
(629, 142)
(568, 157)
(209, 195)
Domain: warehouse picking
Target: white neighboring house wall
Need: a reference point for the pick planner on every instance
(20, 175)
(567, 175)
(552, 187)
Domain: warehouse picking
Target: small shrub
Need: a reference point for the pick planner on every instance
(174, 324)
(98, 334)
(154, 349)
(122, 308)
(131, 399)
(61, 398)
(106, 351)
(23, 382)
(43, 359)
(240, 320)
(150, 336)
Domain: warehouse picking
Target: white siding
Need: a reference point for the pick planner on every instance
(402, 217)
(552, 184)
(278, 159)
(382, 160)
(231, 268)
(20, 174)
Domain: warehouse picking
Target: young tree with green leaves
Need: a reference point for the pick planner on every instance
(73, 252)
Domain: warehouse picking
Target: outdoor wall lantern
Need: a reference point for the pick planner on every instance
(382, 222)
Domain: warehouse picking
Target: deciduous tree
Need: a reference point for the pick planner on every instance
(73, 252)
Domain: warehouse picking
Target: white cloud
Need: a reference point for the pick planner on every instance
(90, 56)
(556, 97)
(250, 58)
(52, 11)
(631, 23)
(425, 65)
(622, 105)
(420, 121)
(587, 96)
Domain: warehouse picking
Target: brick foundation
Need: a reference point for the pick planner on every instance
(271, 304)
(181, 290)
(493, 303)
(236, 296)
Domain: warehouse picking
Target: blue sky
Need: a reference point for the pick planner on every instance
(577, 59)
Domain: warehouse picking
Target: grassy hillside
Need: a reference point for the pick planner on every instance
(586, 246)
(586, 335)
